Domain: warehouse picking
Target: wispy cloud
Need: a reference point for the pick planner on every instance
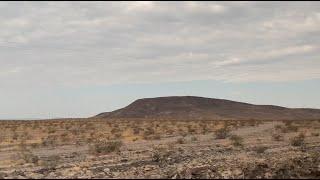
(102, 43)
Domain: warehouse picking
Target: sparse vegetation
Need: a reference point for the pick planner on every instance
(160, 142)
(51, 162)
(298, 140)
(222, 133)
(29, 157)
(194, 138)
(181, 140)
(161, 154)
(260, 149)
(236, 140)
(277, 137)
(106, 147)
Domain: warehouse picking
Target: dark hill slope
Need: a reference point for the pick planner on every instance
(190, 107)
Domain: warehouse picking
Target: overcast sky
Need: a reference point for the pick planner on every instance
(76, 59)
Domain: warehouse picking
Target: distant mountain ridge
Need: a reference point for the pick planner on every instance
(192, 107)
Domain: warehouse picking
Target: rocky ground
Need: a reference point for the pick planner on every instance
(267, 150)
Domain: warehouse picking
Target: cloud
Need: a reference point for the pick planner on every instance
(101, 43)
(269, 55)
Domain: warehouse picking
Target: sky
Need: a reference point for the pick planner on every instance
(77, 59)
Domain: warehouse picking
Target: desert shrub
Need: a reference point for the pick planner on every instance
(236, 140)
(184, 134)
(35, 126)
(161, 154)
(29, 157)
(289, 127)
(180, 140)
(34, 145)
(169, 131)
(75, 131)
(64, 137)
(278, 127)
(260, 149)
(156, 137)
(205, 129)
(118, 135)
(136, 130)
(292, 128)
(106, 147)
(51, 162)
(49, 141)
(252, 123)
(22, 145)
(15, 136)
(115, 130)
(51, 130)
(194, 138)
(277, 137)
(2, 175)
(222, 133)
(191, 129)
(298, 140)
(148, 132)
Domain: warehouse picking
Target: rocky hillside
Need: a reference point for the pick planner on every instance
(190, 107)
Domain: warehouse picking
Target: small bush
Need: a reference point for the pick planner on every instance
(191, 130)
(136, 130)
(181, 141)
(51, 130)
(51, 162)
(155, 137)
(236, 140)
(292, 128)
(222, 133)
(148, 132)
(106, 147)
(161, 154)
(260, 149)
(277, 137)
(205, 130)
(278, 127)
(28, 157)
(298, 140)
(194, 138)
(289, 127)
(49, 141)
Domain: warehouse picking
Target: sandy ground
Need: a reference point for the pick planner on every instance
(203, 157)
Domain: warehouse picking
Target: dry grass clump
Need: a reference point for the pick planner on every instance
(136, 130)
(222, 133)
(236, 140)
(148, 133)
(29, 157)
(51, 162)
(260, 149)
(194, 138)
(51, 140)
(161, 154)
(298, 140)
(181, 140)
(289, 127)
(277, 137)
(106, 147)
(156, 137)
